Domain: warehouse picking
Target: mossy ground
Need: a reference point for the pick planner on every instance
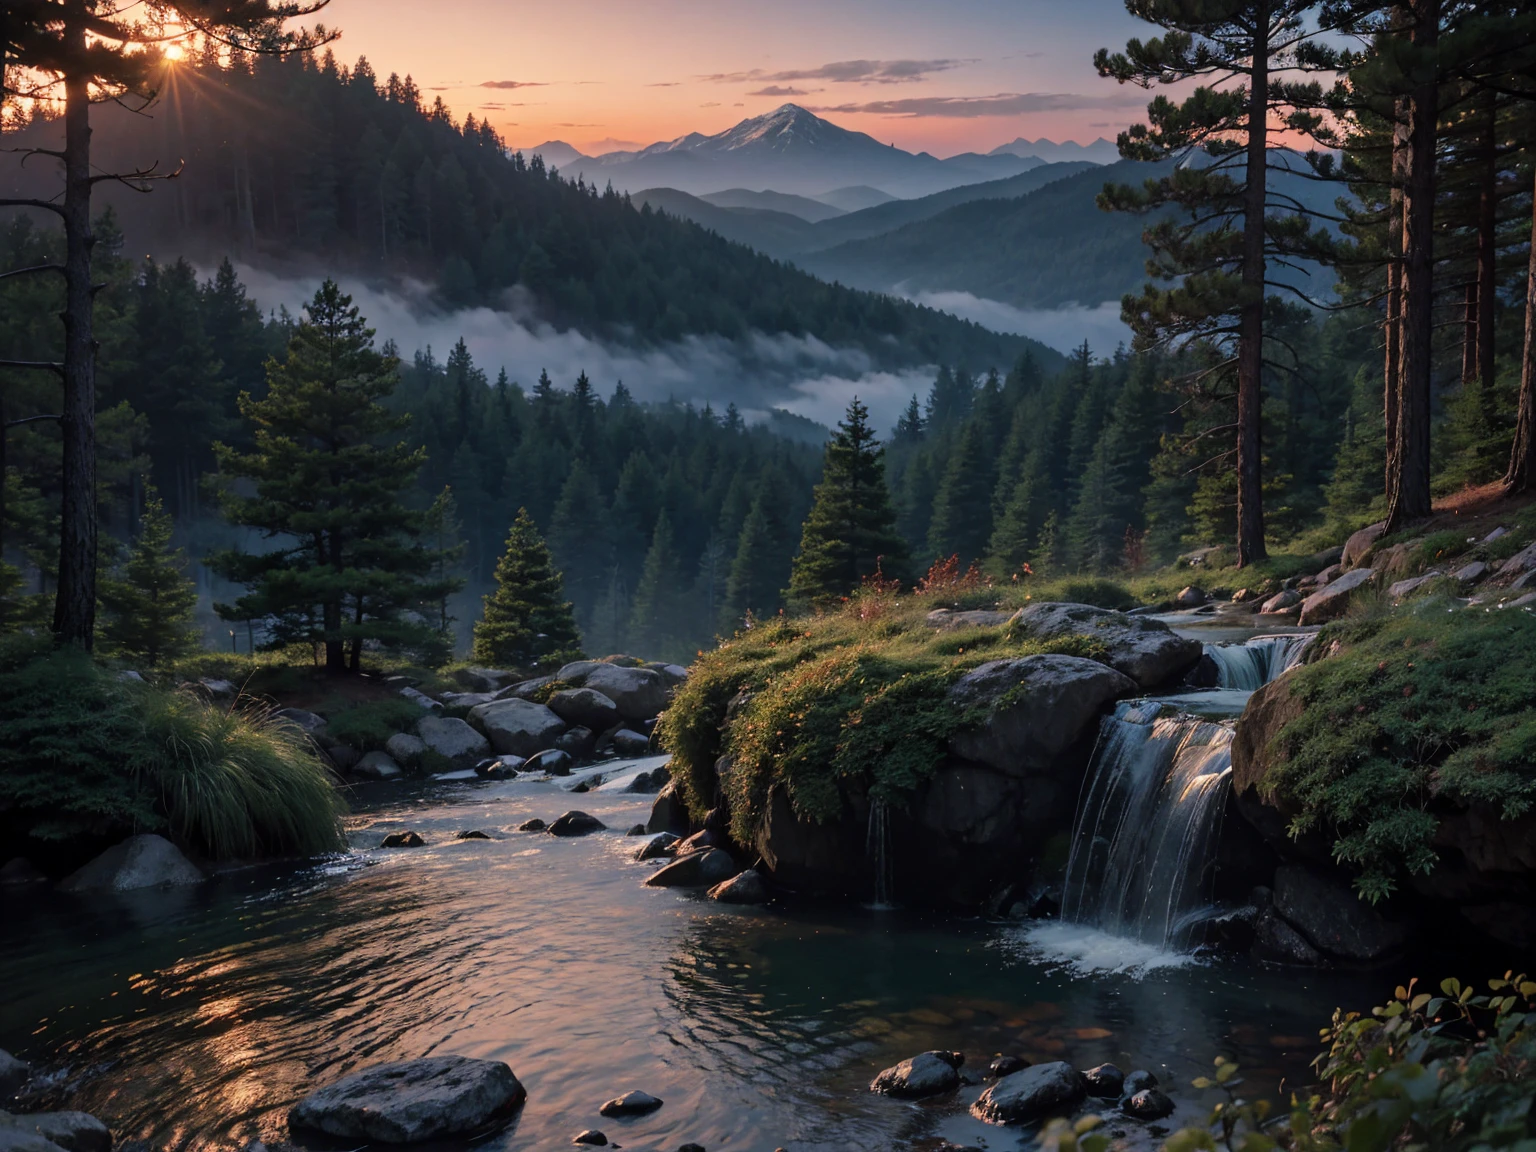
(1409, 711)
(854, 697)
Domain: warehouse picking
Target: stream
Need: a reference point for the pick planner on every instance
(193, 1018)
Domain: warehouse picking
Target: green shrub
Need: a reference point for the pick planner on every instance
(1440, 547)
(1095, 590)
(1419, 709)
(369, 725)
(852, 698)
(86, 755)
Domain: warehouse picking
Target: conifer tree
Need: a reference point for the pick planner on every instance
(851, 530)
(526, 623)
(147, 602)
(657, 624)
(757, 571)
(443, 533)
(962, 509)
(350, 565)
(1015, 539)
(909, 427)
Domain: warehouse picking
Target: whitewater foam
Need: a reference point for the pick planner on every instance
(1086, 951)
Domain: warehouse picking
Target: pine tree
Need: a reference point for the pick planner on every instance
(962, 509)
(1016, 538)
(579, 538)
(147, 602)
(527, 622)
(443, 534)
(851, 530)
(350, 566)
(758, 569)
(657, 618)
(909, 428)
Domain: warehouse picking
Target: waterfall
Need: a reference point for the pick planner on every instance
(1249, 666)
(1147, 825)
(877, 844)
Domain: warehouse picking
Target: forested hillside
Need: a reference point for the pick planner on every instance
(296, 163)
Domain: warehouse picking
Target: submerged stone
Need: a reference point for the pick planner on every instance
(1033, 1094)
(534, 825)
(71, 1131)
(576, 824)
(630, 1104)
(591, 1136)
(412, 1100)
(403, 840)
(695, 870)
(1106, 1082)
(1006, 1066)
(1148, 1104)
(144, 861)
(926, 1074)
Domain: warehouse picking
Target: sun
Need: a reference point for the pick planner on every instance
(174, 52)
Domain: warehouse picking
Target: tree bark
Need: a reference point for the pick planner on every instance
(1392, 369)
(1469, 333)
(74, 613)
(1522, 457)
(1411, 500)
(1250, 337)
(1488, 242)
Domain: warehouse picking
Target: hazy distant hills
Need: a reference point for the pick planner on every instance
(1101, 151)
(789, 150)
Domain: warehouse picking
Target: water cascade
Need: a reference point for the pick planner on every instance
(877, 845)
(1249, 666)
(1147, 826)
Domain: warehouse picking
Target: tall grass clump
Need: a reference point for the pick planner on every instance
(87, 757)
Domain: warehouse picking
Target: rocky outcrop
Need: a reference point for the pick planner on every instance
(1144, 649)
(1360, 543)
(1283, 601)
(747, 888)
(145, 861)
(1333, 919)
(638, 693)
(69, 1131)
(668, 813)
(627, 742)
(696, 870)
(453, 739)
(1331, 601)
(440, 1096)
(585, 706)
(1036, 708)
(403, 748)
(926, 1074)
(519, 727)
(1033, 1094)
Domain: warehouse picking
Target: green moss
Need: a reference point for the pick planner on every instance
(1418, 709)
(855, 699)
(543, 692)
(368, 726)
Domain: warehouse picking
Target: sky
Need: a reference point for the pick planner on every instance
(943, 76)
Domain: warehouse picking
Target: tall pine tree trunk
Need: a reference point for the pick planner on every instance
(1522, 458)
(1392, 369)
(1250, 338)
(1469, 332)
(1488, 243)
(1411, 500)
(74, 614)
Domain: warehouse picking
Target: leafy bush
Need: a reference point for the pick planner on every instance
(1417, 710)
(855, 697)
(369, 725)
(86, 756)
(1451, 1072)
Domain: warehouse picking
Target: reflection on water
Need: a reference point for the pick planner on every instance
(195, 1018)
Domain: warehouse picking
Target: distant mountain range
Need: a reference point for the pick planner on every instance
(791, 150)
(1101, 151)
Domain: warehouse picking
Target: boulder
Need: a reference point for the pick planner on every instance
(630, 1104)
(747, 888)
(1106, 1082)
(482, 679)
(467, 699)
(577, 742)
(591, 1136)
(312, 724)
(1144, 649)
(13, 1074)
(343, 756)
(1405, 588)
(669, 813)
(1190, 597)
(926, 1074)
(695, 870)
(218, 689)
(406, 839)
(1006, 1066)
(1360, 543)
(523, 689)
(1332, 917)
(1036, 708)
(673, 674)
(586, 707)
(533, 825)
(649, 783)
(403, 748)
(1330, 602)
(71, 1131)
(555, 761)
(1148, 1104)
(1138, 1081)
(1276, 942)
(576, 671)
(1471, 573)
(1521, 562)
(20, 1139)
(1033, 1094)
(638, 693)
(377, 766)
(471, 834)
(452, 738)
(19, 871)
(627, 742)
(413, 1100)
(576, 824)
(420, 699)
(492, 768)
(144, 861)
(1327, 576)
(662, 844)
(520, 727)
(1281, 601)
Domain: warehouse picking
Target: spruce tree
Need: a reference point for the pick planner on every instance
(527, 623)
(758, 569)
(350, 565)
(443, 533)
(657, 625)
(962, 510)
(851, 530)
(147, 602)
(1015, 540)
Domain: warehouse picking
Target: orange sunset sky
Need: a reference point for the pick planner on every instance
(948, 77)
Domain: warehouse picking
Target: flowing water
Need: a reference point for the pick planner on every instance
(194, 1018)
